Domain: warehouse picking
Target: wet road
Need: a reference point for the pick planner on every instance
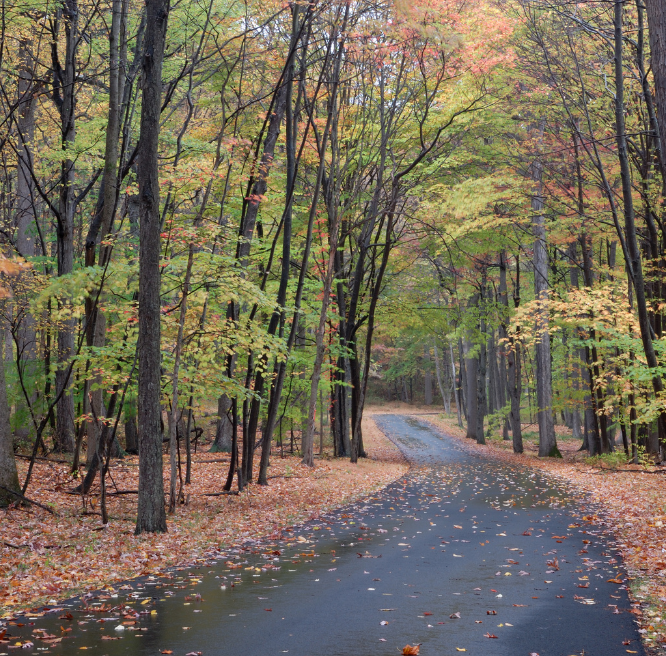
(461, 555)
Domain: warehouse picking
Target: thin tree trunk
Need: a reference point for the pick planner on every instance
(471, 369)
(504, 388)
(456, 386)
(482, 367)
(514, 364)
(308, 441)
(438, 373)
(9, 479)
(173, 437)
(544, 383)
(427, 377)
(462, 388)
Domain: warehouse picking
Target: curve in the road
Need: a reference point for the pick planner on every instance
(462, 555)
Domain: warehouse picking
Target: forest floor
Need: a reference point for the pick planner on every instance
(628, 500)
(45, 557)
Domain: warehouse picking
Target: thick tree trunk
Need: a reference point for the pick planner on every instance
(151, 515)
(64, 436)
(656, 13)
(633, 255)
(25, 202)
(224, 429)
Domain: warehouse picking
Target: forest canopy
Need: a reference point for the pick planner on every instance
(277, 212)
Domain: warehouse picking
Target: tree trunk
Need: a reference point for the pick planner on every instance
(64, 436)
(131, 435)
(333, 230)
(224, 429)
(457, 385)
(427, 377)
(8, 473)
(25, 202)
(633, 255)
(462, 388)
(543, 373)
(482, 398)
(151, 515)
(173, 426)
(471, 369)
(656, 13)
(445, 397)
(504, 389)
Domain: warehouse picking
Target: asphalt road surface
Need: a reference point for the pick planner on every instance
(462, 555)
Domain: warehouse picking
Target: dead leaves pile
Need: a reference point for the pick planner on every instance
(45, 557)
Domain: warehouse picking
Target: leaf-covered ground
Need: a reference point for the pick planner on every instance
(631, 503)
(45, 557)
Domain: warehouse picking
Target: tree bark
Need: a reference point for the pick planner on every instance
(151, 515)
(175, 415)
(64, 436)
(656, 14)
(438, 373)
(457, 385)
(544, 383)
(224, 428)
(8, 473)
(427, 377)
(633, 252)
(333, 229)
(471, 369)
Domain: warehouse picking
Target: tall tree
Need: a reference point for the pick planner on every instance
(151, 514)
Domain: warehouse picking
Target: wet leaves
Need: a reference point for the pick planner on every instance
(57, 568)
(627, 500)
